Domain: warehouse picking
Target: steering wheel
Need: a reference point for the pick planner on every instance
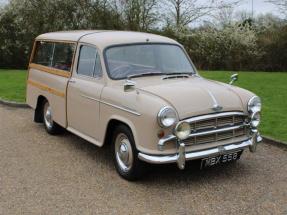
(122, 69)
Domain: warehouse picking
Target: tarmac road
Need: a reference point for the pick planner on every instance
(43, 174)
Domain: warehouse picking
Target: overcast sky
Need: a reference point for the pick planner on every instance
(3, 1)
(260, 6)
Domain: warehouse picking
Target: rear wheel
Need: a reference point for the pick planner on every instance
(125, 154)
(51, 126)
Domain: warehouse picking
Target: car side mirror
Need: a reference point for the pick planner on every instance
(129, 86)
(233, 78)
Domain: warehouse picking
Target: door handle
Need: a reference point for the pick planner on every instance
(72, 81)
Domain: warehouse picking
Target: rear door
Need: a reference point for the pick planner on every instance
(84, 93)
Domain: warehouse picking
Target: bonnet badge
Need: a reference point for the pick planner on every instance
(217, 108)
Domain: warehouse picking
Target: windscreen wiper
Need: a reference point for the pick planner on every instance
(145, 74)
(179, 73)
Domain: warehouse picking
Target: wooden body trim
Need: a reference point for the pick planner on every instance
(50, 70)
(46, 88)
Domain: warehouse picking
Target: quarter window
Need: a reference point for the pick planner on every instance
(89, 62)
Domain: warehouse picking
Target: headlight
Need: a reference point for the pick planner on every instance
(254, 104)
(255, 119)
(182, 130)
(167, 117)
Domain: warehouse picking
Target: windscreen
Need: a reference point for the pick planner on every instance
(128, 60)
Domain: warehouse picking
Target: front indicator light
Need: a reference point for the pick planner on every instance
(255, 119)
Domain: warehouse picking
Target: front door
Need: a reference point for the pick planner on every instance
(84, 93)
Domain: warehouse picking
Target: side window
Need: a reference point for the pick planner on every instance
(63, 56)
(56, 55)
(43, 53)
(89, 62)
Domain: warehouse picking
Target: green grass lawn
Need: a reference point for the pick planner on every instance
(13, 85)
(271, 87)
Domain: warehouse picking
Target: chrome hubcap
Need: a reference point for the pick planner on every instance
(48, 116)
(124, 154)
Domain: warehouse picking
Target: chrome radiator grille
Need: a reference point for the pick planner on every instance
(217, 127)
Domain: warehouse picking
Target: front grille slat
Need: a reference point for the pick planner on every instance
(225, 121)
(205, 124)
(225, 135)
(214, 123)
(239, 132)
(205, 139)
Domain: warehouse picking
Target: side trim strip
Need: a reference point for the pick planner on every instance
(112, 105)
(90, 98)
(122, 108)
(46, 88)
(50, 70)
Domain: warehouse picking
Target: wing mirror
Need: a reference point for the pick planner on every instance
(129, 86)
(233, 78)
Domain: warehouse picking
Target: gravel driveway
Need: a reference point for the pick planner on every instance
(43, 174)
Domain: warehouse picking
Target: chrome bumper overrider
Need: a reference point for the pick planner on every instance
(181, 156)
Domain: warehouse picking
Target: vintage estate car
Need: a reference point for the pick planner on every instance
(141, 94)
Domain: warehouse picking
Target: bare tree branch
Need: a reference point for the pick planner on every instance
(281, 4)
(184, 12)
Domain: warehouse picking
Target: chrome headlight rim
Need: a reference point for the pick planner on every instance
(251, 108)
(160, 117)
(180, 134)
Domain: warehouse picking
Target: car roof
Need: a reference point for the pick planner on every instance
(104, 38)
(72, 36)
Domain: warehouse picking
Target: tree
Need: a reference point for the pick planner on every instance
(22, 20)
(99, 14)
(139, 15)
(181, 13)
(272, 37)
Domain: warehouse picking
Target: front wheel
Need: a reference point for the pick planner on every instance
(51, 126)
(125, 154)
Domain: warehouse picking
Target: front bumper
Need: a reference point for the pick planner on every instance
(181, 156)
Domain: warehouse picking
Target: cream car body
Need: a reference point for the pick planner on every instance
(91, 107)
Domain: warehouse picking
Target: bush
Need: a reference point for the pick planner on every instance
(234, 47)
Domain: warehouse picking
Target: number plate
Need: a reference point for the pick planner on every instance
(212, 161)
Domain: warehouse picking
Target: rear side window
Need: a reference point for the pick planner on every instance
(89, 62)
(63, 56)
(55, 55)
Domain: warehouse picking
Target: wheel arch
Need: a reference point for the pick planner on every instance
(112, 124)
(38, 115)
